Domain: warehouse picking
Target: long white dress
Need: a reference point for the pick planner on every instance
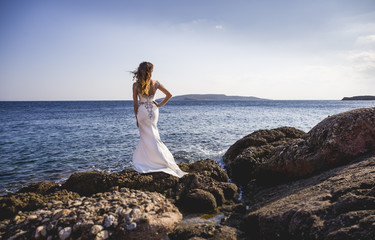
(151, 155)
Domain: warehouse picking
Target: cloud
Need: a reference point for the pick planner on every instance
(366, 40)
(219, 27)
(361, 63)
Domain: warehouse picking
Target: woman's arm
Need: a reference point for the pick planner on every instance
(135, 101)
(168, 96)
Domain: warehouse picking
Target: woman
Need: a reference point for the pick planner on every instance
(151, 155)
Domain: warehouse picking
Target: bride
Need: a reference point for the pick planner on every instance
(151, 155)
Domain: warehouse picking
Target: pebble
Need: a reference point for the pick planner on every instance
(102, 235)
(76, 203)
(77, 226)
(15, 236)
(65, 233)
(96, 229)
(56, 202)
(40, 231)
(108, 221)
(131, 226)
(118, 210)
(32, 217)
(135, 212)
(57, 214)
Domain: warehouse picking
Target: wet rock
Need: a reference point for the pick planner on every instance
(221, 191)
(335, 141)
(244, 156)
(198, 200)
(203, 231)
(40, 187)
(208, 168)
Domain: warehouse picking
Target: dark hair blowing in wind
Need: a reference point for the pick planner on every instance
(143, 76)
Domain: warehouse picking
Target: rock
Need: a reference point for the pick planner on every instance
(102, 235)
(86, 183)
(131, 226)
(11, 204)
(336, 204)
(103, 203)
(205, 174)
(109, 220)
(244, 156)
(40, 187)
(65, 233)
(32, 217)
(40, 231)
(76, 203)
(334, 141)
(203, 231)
(96, 229)
(207, 167)
(85, 221)
(221, 191)
(198, 200)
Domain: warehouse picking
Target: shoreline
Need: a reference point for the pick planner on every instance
(275, 182)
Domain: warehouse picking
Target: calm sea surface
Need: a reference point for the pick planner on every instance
(51, 140)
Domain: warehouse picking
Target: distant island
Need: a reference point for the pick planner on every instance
(212, 97)
(368, 97)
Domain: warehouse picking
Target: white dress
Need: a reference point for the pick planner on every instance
(151, 155)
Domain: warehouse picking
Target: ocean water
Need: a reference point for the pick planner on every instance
(51, 140)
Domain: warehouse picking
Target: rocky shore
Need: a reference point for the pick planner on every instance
(123, 205)
(295, 185)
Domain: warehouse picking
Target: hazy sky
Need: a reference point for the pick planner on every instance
(84, 50)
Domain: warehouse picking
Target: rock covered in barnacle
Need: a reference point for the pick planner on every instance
(125, 214)
(206, 175)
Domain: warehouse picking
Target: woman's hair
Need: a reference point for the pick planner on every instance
(143, 76)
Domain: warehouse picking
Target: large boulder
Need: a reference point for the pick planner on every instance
(124, 214)
(198, 200)
(336, 204)
(333, 142)
(244, 156)
(87, 183)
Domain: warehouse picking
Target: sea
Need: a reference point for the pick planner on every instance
(50, 140)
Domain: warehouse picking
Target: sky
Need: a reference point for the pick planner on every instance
(85, 49)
